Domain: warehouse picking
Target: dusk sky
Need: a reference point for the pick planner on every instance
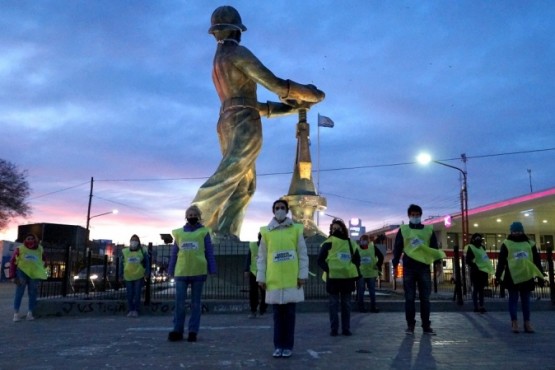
(122, 91)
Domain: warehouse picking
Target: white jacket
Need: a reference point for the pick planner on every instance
(288, 295)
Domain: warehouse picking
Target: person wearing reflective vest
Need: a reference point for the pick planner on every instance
(339, 259)
(191, 259)
(480, 266)
(257, 295)
(418, 245)
(282, 270)
(135, 265)
(27, 267)
(518, 266)
(371, 260)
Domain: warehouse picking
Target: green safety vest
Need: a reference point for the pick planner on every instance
(191, 260)
(30, 262)
(339, 260)
(253, 246)
(133, 268)
(481, 259)
(521, 262)
(368, 261)
(417, 244)
(282, 263)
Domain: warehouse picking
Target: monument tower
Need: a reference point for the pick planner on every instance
(302, 197)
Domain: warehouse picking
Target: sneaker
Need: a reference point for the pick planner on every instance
(278, 352)
(252, 315)
(175, 336)
(130, 314)
(135, 314)
(409, 330)
(286, 353)
(16, 317)
(347, 333)
(192, 337)
(30, 316)
(429, 331)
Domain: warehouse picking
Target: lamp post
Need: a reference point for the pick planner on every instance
(425, 159)
(89, 218)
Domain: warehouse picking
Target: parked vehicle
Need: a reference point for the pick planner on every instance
(98, 280)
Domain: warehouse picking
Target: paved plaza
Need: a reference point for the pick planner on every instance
(465, 340)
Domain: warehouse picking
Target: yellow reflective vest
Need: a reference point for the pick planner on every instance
(417, 244)
(253, 246)
(133, 268)
(340, 259)
(481, 259)
(30, 262)
(368, 261)
(521, 262)
(282, 266)
(191, 260)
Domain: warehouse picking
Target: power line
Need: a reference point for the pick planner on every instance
(59, 191)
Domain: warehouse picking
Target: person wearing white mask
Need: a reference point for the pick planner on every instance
(135, 265)
(418, 245)
(282, 270)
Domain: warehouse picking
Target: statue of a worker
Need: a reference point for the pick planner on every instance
(224, 197)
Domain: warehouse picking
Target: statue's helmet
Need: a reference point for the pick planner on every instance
(226, 18)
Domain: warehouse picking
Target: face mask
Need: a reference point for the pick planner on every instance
(414, 220)
(134, 244)
(280, 214)
(29, 243)
(192, 220)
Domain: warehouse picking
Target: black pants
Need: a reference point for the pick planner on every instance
(256, 295)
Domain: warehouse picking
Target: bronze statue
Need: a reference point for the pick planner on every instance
(224, 197)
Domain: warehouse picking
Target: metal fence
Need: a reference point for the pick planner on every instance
(89, 276)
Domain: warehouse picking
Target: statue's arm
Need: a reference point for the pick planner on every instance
(290, 92)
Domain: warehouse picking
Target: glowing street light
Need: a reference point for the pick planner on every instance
(425, 158)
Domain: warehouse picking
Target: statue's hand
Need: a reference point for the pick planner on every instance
(299, 92)
(297, 104)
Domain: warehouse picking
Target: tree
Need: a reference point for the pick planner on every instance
(14, 189)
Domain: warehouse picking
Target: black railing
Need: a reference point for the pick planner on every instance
(100, 277)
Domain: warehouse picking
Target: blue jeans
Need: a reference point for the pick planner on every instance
(513, 303)
(284, 325)
(180, 306)
(134, 290)
(422, 279)
(362, 284)
(345, 311)
(31, 284)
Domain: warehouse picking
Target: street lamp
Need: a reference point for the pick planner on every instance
(89, 217)
(425, 158)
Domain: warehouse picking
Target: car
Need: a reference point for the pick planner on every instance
(96, 279)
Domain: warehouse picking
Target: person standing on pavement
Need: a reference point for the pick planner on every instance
(339, 259)
(27, 267)
(371, 260)
(480, 269)
(191, 259)
(257, 295)
(135, 264)
(519, 263)
(418, 245)
(282, 271)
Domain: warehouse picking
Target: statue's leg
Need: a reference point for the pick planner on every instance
(240, 134)
(233, 213)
